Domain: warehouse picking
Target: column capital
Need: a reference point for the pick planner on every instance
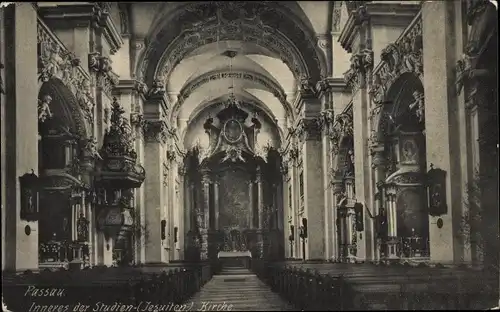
(309, 128)
(156, 131)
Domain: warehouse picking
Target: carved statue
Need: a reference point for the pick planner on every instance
(412, 54)
(82, 228)
(55, 61)
(91, 148)
(481, 16)
(44, 111)
(350, 163)
(418, 105)
(158, 87)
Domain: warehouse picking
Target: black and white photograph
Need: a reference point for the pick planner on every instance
(249, 156)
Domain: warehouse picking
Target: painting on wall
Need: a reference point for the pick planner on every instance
(234, 199)
(412, 217)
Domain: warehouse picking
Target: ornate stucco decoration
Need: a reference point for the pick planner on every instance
(403, 56)
(155, 131)
(251, 22)
(101, 66)
(360, 69)
(137, 121)
(102, 20)
(336, 128)
(233, 137)
(309, 129)
(158, 87)
(336, 16)
(326, 121)
(225, 74)
(56, 61)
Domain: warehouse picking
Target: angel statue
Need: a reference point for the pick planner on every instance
(91, 148)
(44, 111)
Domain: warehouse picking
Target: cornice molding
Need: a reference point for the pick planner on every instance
(83, 15)
(388, 14)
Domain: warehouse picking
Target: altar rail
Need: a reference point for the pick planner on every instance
(336, 286)
(101, 286)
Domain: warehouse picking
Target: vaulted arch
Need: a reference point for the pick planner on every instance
(191, 26)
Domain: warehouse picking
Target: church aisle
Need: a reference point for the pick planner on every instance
(238, 292)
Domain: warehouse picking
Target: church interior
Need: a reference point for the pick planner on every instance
(315, 134)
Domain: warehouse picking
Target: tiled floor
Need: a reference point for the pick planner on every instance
(237, 290)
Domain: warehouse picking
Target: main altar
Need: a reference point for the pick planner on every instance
(232, 204)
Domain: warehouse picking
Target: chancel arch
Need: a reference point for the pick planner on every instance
(256, 23)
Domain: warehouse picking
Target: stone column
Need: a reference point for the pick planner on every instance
(378, 162)
(155, 137)
(314, 189)
(337, 186)
(328, 204)
(260, 212)
(392, 242)
(19, 133)
(216, 204)
(206, 181)
(182, 207)
(251, 223)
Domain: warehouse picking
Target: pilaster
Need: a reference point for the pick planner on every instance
(313, 188)
(443, 149)
(155, 137)
(20, 246)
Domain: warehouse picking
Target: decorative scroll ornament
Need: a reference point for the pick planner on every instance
(44, 111)
(403, 56)
(118, 141)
